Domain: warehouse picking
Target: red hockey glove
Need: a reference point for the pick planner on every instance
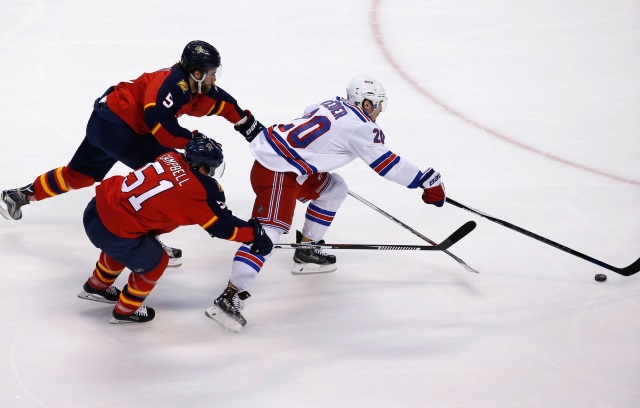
(433, 192)
(250, 128)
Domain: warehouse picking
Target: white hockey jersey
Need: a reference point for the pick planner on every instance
(328, 136)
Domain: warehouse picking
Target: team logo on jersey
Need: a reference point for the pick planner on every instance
(183, 85)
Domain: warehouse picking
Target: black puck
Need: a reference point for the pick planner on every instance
(601, 277)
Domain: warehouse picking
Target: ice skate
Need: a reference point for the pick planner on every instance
(226, 309)
(142, 315)
(312, 260)
(175, 255)
(13, 199)
(109, 295)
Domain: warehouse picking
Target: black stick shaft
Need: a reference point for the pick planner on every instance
(627, 271)
(448, 242)
(413, 231)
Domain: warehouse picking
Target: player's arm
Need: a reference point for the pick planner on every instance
(223, 224)
(368, 143)
(162, 103)
(223, 104)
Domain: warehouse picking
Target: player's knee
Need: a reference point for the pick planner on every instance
(337, 190)
(152, 275)
(273, 233)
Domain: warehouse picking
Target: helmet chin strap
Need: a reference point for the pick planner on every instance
(199, 82)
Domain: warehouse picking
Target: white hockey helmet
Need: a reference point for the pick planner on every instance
(364, 87)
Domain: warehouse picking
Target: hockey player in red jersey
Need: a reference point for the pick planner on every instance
(129, 211)
(136, 121)
(294, 162)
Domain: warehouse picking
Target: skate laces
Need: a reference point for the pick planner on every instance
(142, 311)
(237, 303)
(112, 290)
(319, 251)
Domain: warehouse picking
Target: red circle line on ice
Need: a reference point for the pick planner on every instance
(379, 40)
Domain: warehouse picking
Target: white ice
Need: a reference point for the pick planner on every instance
(529, 109)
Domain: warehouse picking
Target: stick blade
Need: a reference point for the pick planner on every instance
(457, 235)
(631, 269)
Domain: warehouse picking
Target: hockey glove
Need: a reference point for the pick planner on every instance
(261, 244)
(433, 186)
(250, 128)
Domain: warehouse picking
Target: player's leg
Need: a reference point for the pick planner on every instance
(134, 150)
(274, 206)
(99, 287)
(326, 192)
(129, 308)
(90, 163)
(144, 256)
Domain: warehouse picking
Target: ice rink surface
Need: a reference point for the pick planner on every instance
(529, 109)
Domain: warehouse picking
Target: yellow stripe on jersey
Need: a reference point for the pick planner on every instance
(235, 232)
(222, 104)
(209, 111)
(149, 105)
(210, 222)
(155, 129)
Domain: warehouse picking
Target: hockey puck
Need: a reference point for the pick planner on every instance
(601, 277)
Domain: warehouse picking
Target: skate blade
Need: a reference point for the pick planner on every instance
(118, 321)
(4, 212)
(311, 268)
(174, 262)
(218, 316)
(95, 298)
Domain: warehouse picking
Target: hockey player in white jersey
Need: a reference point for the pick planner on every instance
(293, 162)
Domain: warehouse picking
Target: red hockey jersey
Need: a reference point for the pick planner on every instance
(163, 195)
(153, 103)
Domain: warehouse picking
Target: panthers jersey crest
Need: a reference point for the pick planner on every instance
(183, 85)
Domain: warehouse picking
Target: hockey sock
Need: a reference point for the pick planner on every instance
(317, 221)
(59, 181)
(139, 286)
(106, 272)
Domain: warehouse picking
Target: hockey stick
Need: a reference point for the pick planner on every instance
(451, 239)
(397, 221)
(626, 271)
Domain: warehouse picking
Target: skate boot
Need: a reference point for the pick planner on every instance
(109, 295)
(175, 255)
(312, 260)
(226, 309)
(142, 315)
(12, 200)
